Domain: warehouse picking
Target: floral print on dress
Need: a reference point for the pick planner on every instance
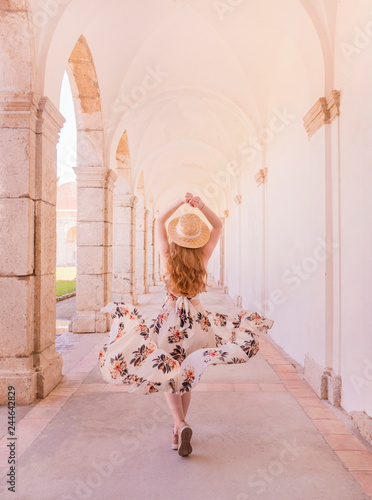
(171, 352)
(120, 330)
(141, 353)
(178, 353)
(118, 366)
(142, 330)
(203, 321)
(176, 334)
(213, 354)
(188, 376)
(165, 363)
(219, 340)
(159, 321)
(185, 317)
(220, 319)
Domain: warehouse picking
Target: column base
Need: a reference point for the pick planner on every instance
(141, 289)
(316, 377)
(238, 300)
(125, 297)
(334, 385)
(31, 383)
(89, 322)
(49, 373)
(323, 381)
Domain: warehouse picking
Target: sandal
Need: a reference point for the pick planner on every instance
(184, 437)
(174, 440)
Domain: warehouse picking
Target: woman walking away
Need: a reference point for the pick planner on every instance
(171, 352)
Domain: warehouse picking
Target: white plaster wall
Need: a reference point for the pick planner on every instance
(251, 238)
(296, 276)
(233, 247)
(354, 78)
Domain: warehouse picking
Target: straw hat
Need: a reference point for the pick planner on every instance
(188, 231)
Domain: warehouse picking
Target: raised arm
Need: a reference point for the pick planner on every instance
(161, 219)
(215, 222)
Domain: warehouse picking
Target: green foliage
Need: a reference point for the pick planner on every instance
(63, 287)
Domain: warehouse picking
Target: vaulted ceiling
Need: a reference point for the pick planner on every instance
(190, 81)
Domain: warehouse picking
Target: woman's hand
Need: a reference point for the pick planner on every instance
(197, 202)
(186, 198)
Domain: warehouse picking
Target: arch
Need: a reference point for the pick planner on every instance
(71, 235)
(87, 102)
(149, 161)
(122, 151)
(324, 42)
(175, 92)
(123, 167)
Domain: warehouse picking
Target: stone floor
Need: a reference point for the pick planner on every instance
(260, 432)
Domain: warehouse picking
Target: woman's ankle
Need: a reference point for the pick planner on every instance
(179, 424)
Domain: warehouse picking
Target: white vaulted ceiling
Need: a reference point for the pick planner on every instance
(220, 70)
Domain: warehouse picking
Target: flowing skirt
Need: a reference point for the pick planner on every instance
(171, 352)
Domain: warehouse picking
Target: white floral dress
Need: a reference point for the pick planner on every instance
(170, 352)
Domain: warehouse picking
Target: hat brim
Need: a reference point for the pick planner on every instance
(197, 242)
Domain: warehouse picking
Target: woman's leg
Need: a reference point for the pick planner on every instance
(186, 398)
(175, 405)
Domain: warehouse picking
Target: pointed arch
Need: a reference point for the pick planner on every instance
(87, 102)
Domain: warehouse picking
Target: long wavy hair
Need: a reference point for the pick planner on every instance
(185, 272)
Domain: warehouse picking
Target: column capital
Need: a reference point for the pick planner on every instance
(128, 201)
(19, 109)
(50, 120)
(111, 177)
(95, 177)
(324, 111)
(261, 176)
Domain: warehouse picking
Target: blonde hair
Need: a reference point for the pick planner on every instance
(185, 270)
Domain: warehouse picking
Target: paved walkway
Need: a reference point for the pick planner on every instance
(259, 433)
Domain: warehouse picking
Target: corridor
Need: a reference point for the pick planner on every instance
(110, 111)
(259, 432)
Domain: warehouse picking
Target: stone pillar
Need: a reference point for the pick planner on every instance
(324, 375)
(141, 249)
(94, 247)
(30, 127)
(151, 250)
(124, 285)
(221, 280)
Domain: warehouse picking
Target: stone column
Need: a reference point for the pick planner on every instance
(124, 285)
(221, 280)
(324, 375)
(30, 126)
(141, 249)
(94, 247)
(151, 250)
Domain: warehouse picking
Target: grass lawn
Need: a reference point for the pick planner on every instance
(63, 286)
